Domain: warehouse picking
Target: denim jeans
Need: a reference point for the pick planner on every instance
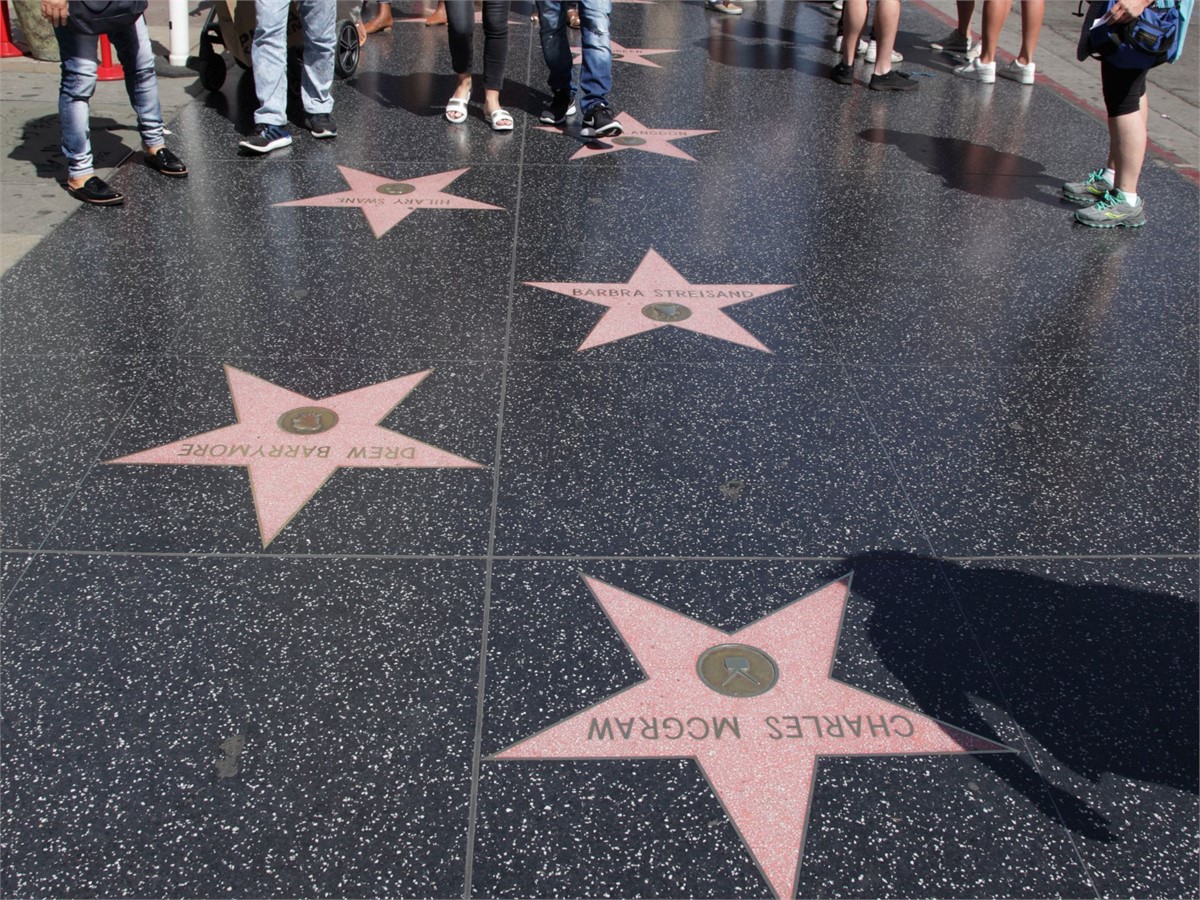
(595, 75)
(80, 62)
(269, 55)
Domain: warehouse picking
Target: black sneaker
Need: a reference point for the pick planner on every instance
(321, 125)
(600, 121)
(894, 80)
(561, 105)
(842, 73)
(266, 138)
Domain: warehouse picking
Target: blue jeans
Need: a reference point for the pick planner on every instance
(269, 55)
(80, 62)
(595, 75)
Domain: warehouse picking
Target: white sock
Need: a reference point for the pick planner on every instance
(1131, 199)
(1110, 175)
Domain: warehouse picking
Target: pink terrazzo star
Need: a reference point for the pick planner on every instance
(386, 202)
(636, 136)
(756, 709)
(657, 296)
(290, 444)
(633, 55)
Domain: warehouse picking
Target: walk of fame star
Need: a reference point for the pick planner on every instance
(633, 55)
(290, 444)
(657, 296)
(636, 136)
(756, 710)
(386, 202)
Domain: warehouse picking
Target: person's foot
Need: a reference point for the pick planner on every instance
(601, 121)
(165, 162)
(1088, 191)
(1113, 210)
(438, 16)
(895, 80)
(873, 49)
(842, 73)
(1021, 73)
(723, 6)
(573, 18)
(265, 139)
(977, 71)
(321, 125)
(561, 105)
(382, 20)
(954, 42)
(97, 192)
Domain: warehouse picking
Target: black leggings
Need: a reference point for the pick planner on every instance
(460, 17)
(1123, 89)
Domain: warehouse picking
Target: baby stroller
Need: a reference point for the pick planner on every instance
(230, 24)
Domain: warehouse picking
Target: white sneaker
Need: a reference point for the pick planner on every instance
(977, 71)
(1021, 74)
(837, 44)
(974, 50)
(872, 51)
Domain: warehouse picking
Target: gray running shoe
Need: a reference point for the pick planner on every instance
(1111, 211)
(1091, 189)
(954, 42)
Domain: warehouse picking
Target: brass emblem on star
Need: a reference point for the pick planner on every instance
(666, 312)
(628, 140)
(737, 670)
(395, 188)
(308, 420)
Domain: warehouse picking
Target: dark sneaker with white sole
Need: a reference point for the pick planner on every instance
(842, 73)
(265, 139)
(561, 105)
(601, 121)
(321, 125)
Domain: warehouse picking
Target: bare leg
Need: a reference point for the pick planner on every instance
(462, 90)
(854, 19)
(966, 9)
(383, 18)
(887, 23)
(1032, 14)
(1127, 146)
(438, 16)
(491, 102)
(994, 14)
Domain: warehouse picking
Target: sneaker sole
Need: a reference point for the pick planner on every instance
(321, 135)
(1018, 79)
(613, 130)
(1080, 198)
(1120, 223)
(550, 120)
(265, 148)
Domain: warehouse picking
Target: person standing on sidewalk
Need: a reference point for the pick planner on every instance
(269, 55)
(461, 33)
(1110, 193)
(983, 67)
(595, 75)
(78, 47)
(887, 25)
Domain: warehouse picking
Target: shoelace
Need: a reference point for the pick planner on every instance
(1093, 177)
(1108, 201)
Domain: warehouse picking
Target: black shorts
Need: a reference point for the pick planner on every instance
(1123, 89)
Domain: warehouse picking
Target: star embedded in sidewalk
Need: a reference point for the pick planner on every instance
(386, 202)
(633, 55)
(755, 709)
(635, 136)
(657, 296)
(290, 444)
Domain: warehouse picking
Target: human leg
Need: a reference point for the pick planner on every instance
(133, 49)
(320, 43)
(269, 55)
(79, 66)
(854, 20)
(495, 43)
(460, 20)
(595, 75)
(995, 13)
(887, 24)
(555, 49)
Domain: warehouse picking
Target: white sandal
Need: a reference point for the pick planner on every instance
(456, 110)
(501, 120)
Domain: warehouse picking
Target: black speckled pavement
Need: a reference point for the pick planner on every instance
(782, 499)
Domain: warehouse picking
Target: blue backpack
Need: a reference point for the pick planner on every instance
(1152, 39)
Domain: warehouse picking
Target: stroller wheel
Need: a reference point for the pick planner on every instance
(212, 71)
(345, 62)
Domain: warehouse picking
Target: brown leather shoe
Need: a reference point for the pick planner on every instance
(438, 16)
(382, 20)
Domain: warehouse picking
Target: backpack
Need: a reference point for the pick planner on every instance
(1150, 40)
(103, 16)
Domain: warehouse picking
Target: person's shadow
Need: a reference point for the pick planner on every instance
(1102, 677)
(974, 168)
(40, 145)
